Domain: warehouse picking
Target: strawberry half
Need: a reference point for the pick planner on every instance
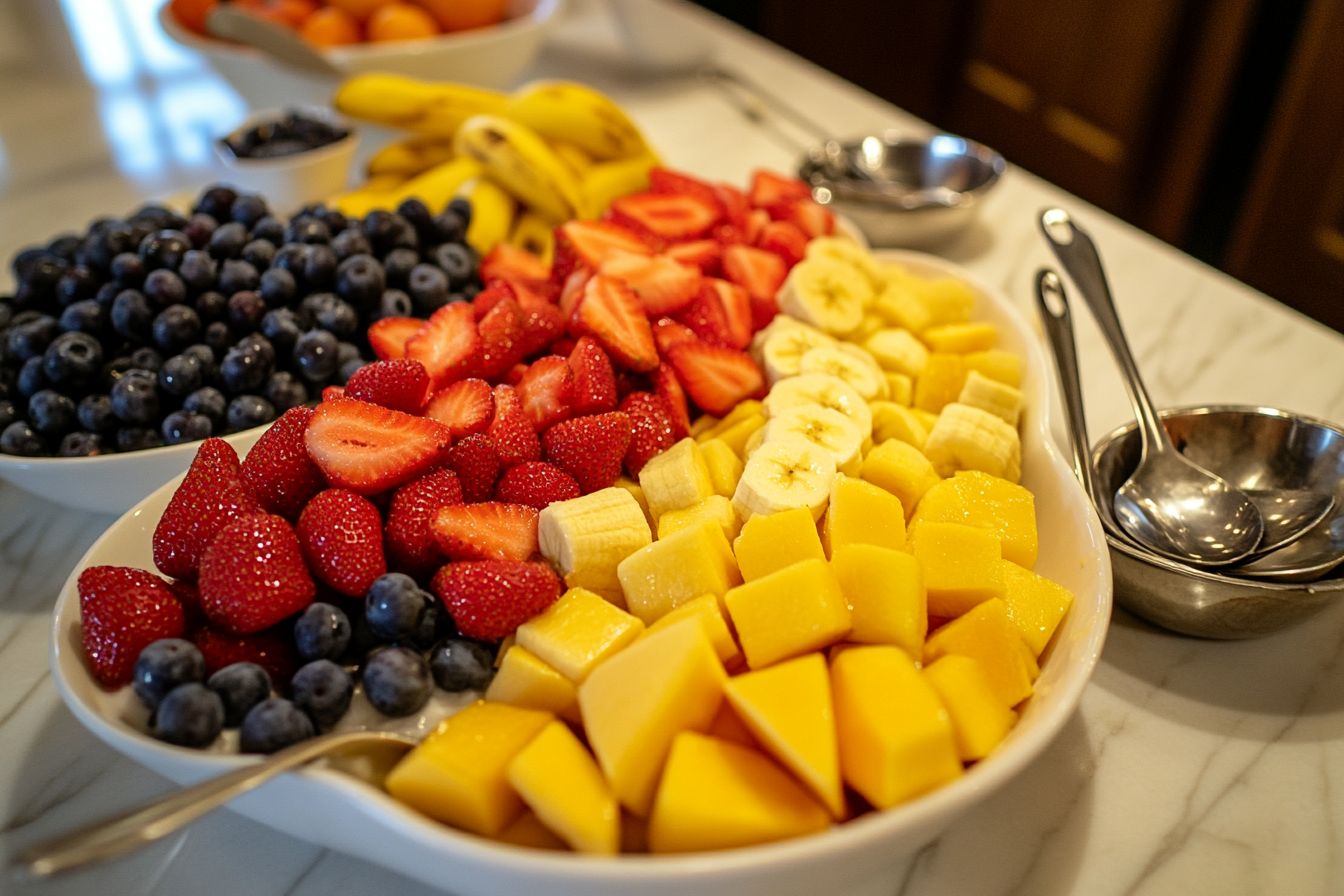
(401, 384)
(211, 496)
(736, 307)
(735, 204)
(761, 274)
(812, 218)
(652, 429)
(487, 531)
(669, 216)
(546, 391)
(465, 407)
(272, 650)
(476, 463)
(501, 332)
(667, 333)
(121, 611)
(611, 313)
(543, 324)
(571, 291)
(769, 190)
(594, 379)
(661, 284)
(714, 377)
(785, 240)
(510, 432)
(411, 545)
(369, 449)
(667, 387)
(277, 469)
(489, 599)
(536, 484)
(342, 538)
(702, 254)
(332, 393)
(253, 574)
(448, 344)
(587, 244)
(388, 336)
(665, 180)
(705, 316)
(509, 262)
(591, 449)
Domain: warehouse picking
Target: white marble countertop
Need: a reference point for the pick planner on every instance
(1192, 767)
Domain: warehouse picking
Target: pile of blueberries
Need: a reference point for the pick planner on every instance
(160, 328)
(291, 133)
(400, 647)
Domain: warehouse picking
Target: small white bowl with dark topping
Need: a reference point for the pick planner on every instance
(294, 156)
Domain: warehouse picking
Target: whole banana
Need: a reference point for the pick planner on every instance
(518, 160)
(492, 212)
(535, 234)
(433, 109)
(409, 157)
(577, 114)
(437, 185)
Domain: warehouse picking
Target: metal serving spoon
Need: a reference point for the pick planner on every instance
(281, 44)
(117, 835)
(1170, 504)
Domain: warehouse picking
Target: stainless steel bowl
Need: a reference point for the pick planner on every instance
(1252, 448)
(903, 191)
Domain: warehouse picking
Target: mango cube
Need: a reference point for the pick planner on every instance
(962, 565)
(728, 725)
(979, 719)
(959, 339)
(900, 469)
(715, 508)
(1035, 605)
(997, 364)
(949, 300)
(527, 830)
(989, 502)
(672, 570)
(635, 703)
(900, 305)
(708, 609)
(524, 680)
(773, 541)
(559, 780)
(725, 466)
(719, 795)
(787, 708)
(895, 421)
(900, 387)
(741, 411)
(896, 738)
(789, 612)
(861, 513)
(577, 632)
(987, 635)
(886, 596)
(459, 773)
(940, 382)
(675, 478)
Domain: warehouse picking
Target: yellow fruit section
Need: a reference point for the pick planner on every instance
(458, 774)
(577, 632)
(861, 513)
(787, 613)
(527, 830)
(771, 542)
(1035, 605)
(715, 508)
(708, 609)
(962, 565)
(885, 591)
(961, 338)
(979, 719)
(940, 382)
(728, 725)
(672, 570)
(718, 795)
(724, 466)
(987, 635)
(524, 680)
(895, 421)
(997, 364)
(675, 478)
(979, 499)
(558, 779)
(901, 469)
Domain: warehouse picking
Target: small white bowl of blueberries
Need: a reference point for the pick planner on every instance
(125, 344)
(293, 157)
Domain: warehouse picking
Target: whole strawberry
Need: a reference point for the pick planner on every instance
(591, 449)
(652, 430)
(536, 484)
(488, 599)
(253, 574)
(511, 431)
(342, 538)
(411, 546)
(400, 384)
(121, 611)
(277, 470)
(211, 496)
(476, 463)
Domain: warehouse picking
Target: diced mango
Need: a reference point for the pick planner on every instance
(577, 632)
(527, 830)
(886, 597)
(961, 565)
(901, 469)
(896, 738)
(458, 774)
(787, 708)
(959, 339)
(940, 382)
(672, 570)
(979, 718)
(926, 418)
(789, 612)
(737, 435)
(728, 725)
(635, 703)
(899, 304)
(725, 467)
(997, 364)
(990, 502)
(715, 508)
(986, 634)
(949, 300)
(703, 424)
(861, 513)
(560, 781)
(524, 680)
(1035, 605)
(771, 542)
(741, 411)
(900, 388)
(708, 608)
(719, 795)
(675, 478)
(894, 421)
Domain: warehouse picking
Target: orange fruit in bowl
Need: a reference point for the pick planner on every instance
(459, 15)
(330, 27)
(400, 21)
(290, 13)
(360, 9)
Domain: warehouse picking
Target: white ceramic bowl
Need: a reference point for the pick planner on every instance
(488, 57)
(293, 181)
(861, 857)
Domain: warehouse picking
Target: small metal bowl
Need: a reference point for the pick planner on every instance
(1252, 448)
(903, 191)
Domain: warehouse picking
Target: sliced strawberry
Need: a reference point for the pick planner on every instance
(669, 216)
(611, 313)
(785, 240)
(627, 382)
(714, 377)
(510, 431)
(495, 292)
(571, 291)
(510, 262)
(331, 393)
(810, 217)
(661, 284)
(594, 379)
(703, 255)
(769, 190)
(736, 311)
(757, 219)
(411, 546)
(734, 203)
(211, 496)
(515, 374)
(546, 391)
(590, 449)
(587, 243)
(564, 346)
(388, 336)
(763, 310)
(667, 333)
(369, 449)
(341, 534)
(501, 332)
(121, 611)
(543, 324)
(271, 649)
(476, 463)
(401, 384)
(465, 407)
(488, 531)
(705, 316)
(759, 272)
(667, 387)
(448, 344)
(278, 471)
(652, 429)
(665, 180)
(241, 594)
(489, 599)
(536, 484)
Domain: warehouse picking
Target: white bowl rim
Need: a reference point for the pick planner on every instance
(106, 461)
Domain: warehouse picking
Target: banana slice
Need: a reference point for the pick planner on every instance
(824, 427)
(970, 438)
(585, 538)
(782, 352)
(847, 252)
(860, 371)
(828, 294)
(785, 473)
(823, 389)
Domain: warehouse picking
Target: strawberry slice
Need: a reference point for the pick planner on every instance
(757, 218)
(668, 332)
(571, 291)
(810, 217)
(594, 379)
(735, 205)
(509, 262)
(611, 313)
(489, 531)
(510, 431)
(122, 611)
(770, 190)
(761, 274)
(669, 216)
(476, 463)
(536, 484)
(714, 377)
(546, 391)
(501, 332)
(705, 316)
(661, 284)
(277, 469)
(341, 534)
(332, 393)
(495, 292)
(448, 344)
(388, 336)
(242, 595)
(212, 495)
(400, 384)
(667, 387)
(652, 429)
(489, 599)
(665, 180)
(411, 546)
(591, 449)
(587, 243)
(702, 254)
(736, 311)
(785, 240)
(369, 449)
(465, 407)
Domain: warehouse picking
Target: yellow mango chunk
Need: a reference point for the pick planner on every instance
(708, 609)
(895, 421)
(719, 795)
(788, 710)
(715, 508)
(577, 632)
(997, 364)
(672, 570)
(728, 725)
(900, 387)
(792, 611)
(949, 300)
(940, 382)
(861, 513)
(959, 339)
(979, 719)
(737, 435)
(885, 591)
(725, 467)
(525, 680)
(901, 469)
(897, 351)
(987, 635)
(768, 543)
(635, 703)
(675, 478)
(458, 774)
(962, 565)
(741, 411)
(978, 499)
(559, 780)
(896, 738)
(527, 830)
(631, 486)
(899, 304)
(1035, 605)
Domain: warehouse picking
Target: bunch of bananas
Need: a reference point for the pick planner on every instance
(549, 152)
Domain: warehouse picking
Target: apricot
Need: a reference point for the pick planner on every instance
(459, 15)
(330, 27)
(400, 21)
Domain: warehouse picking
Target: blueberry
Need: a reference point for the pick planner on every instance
(94, 413)
(228, 240)
(31, 378)
(380, 230)
(20, 438)
(273, 724)
(307, 229)
(184, 426)
(216, 200)
(450, 227)
(336, 316)
(8, 413)
(164, 288)
(247, 411)
(315, 356)
(240, 687)
(163, 665)
(190, 715)
(51, 413)
(208, 402)
(397, 266)
(462, 665)
(259, 253)
(198, 271)
(24, 260)
(164, 249)
(258, 344)
(199, 228)
(462, 207)
(86, 316)
(128, 269)
(248, 209)
(138, 438)
(319, 267)
(236, 275)
(360, 280)
(246, 309)
(350, 242)
(211, 306)
(269, 228)
(323, 690)
(417, 214)
(80, 444)
(394, 606)
(157, 217)
(181, 375)
(131, 314)
(397, 680)
(291, 257)
(115, 369)
(72, 358)
(218, 336)
(147, 358)
(65, 246)
(76, 284)
(107, 294)
(243, 370)
(429, 288)
(278, 287)
(347, 369)
(457, 261)
(394, 303)
(285, 391)
(30, 338)
(135, 397)
(176, 327)
(280, 325)
(322, 632)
